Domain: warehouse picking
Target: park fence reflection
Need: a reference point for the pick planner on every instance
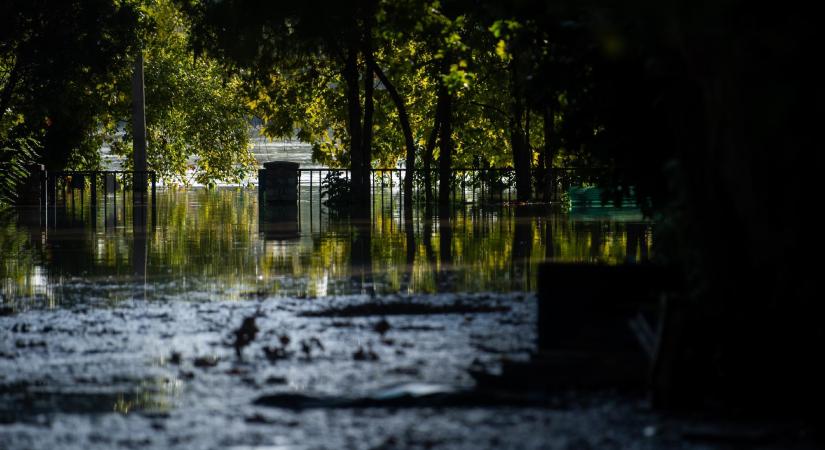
(218, 244)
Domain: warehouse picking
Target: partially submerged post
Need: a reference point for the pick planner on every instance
(278, 200)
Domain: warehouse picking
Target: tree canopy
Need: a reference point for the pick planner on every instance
(65, 71)
(57, 61)
(197, 115)
(709, 112)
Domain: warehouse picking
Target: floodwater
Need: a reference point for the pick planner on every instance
(219, 325)
(216, 244)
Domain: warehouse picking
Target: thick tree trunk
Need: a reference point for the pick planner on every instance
(366, 138)
(428, 159)
(350, 74)
(369, 108)
(404, 119)
(445, 158)
(521, 161)
(521, 151)
(548, 154)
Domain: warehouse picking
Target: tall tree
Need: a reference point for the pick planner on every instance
(262, 38)
(197, 114)
(58, 62)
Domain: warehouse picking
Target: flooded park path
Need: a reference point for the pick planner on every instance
(212, 327)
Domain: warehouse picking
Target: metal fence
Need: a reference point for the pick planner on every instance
(60, 187)
(467, 185)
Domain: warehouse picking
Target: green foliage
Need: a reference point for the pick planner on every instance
(337, 189)
(65, 77)
(58, 62)
(196, 113)
(300, 101)
(16, 152)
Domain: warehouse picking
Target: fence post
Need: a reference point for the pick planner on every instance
(93, 192)
(124, 194)
(278, 187)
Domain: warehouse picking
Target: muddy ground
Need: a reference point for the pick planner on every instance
(285, 373)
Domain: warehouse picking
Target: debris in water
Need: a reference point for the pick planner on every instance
(276, 353)
(365, 355)
(275, 380)
(308, 344)
(381, 327)
(397, 308)
(410, 371)
(259, 294)
(236, 371)
(284, 339)
(29, 344)
(205, 361)
(245, 334)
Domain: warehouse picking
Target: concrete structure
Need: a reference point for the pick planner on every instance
(278, 200)
(278, 183)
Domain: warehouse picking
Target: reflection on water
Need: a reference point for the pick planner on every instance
(210, 244)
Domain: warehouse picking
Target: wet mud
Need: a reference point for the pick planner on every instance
(171, 374)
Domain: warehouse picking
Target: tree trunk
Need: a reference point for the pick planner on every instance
(350, 74)
(548, 155)
(445, 158)
(404, 119)
(369, 108)
(521, 151)
(364, 195)
(366, 138)
(428, 158)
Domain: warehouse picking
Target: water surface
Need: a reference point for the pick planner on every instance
(115, 333)
(217, 245)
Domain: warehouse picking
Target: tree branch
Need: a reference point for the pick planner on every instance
(491, 107)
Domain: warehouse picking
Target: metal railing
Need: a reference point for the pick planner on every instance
(467, 185)
(76, 179)
(111, 181)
